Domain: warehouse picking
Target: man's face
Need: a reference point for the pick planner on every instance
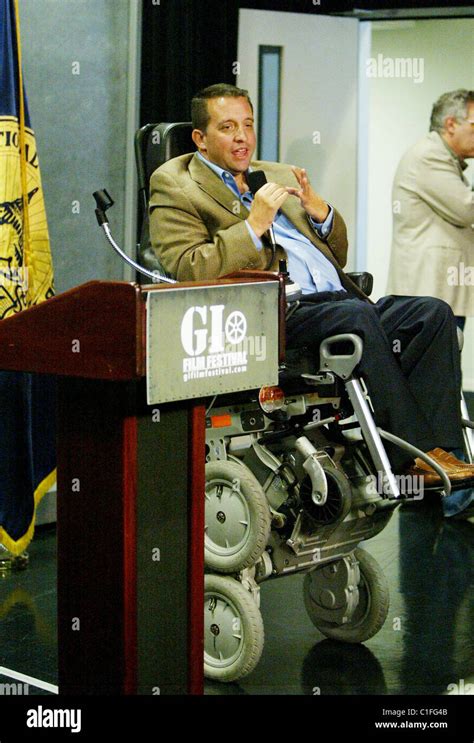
(462, 135)
(229, 140)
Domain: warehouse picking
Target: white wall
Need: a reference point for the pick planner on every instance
(319, 94)
(399, 115)
(323, 92)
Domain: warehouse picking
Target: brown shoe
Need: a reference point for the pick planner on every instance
(448, 461)
(459, 473)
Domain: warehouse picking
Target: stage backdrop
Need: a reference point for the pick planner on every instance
(81, 65)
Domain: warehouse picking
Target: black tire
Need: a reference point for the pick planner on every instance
(371, 610)
(233, 629)
(238, 517)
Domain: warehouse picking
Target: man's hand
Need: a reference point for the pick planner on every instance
(265, 205)
(311, 202)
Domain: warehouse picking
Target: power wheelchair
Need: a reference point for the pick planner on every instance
(297, 477)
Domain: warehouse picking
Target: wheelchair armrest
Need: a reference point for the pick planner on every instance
(148, 259)
(364, 280)
(251, 273)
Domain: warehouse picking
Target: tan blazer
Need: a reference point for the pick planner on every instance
(433, 227)
(198, 230)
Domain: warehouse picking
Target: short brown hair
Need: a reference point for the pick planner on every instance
(199, 111)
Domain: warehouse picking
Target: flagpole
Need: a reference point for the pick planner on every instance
(23, 172)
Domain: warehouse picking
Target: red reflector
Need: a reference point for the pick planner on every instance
(271, 399)
(221, 421)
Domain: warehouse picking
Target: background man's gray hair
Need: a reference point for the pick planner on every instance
(450, 104)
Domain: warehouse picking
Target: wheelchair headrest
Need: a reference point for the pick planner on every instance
(157, 143)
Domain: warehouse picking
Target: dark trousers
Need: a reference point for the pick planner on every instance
(410, 363)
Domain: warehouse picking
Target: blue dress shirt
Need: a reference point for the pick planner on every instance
(307, 266)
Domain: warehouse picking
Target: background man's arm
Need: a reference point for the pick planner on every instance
(440, 186)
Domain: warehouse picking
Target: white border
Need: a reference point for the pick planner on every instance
(30, 680)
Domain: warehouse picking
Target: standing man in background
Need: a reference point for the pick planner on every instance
(433, 210)
(433, 223)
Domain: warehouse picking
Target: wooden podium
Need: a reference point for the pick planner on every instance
(130, 496)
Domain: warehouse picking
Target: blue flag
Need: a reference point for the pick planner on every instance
(27, 402)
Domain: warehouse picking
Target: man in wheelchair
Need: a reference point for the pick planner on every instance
(205, 224)
(284, 496)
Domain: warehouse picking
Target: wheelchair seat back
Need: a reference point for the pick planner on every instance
(154, 145)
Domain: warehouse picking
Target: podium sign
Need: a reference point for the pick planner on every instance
(210, 340)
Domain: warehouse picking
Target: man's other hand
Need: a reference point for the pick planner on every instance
(311, 202)
(266, 202)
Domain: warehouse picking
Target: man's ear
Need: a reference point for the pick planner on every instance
(450, 124)
(198, 139)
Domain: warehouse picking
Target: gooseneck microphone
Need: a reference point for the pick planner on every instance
(104, 201)
(255, 180)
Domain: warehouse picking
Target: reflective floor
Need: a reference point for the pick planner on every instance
(425, 647)
(28, 642)
(427, 643)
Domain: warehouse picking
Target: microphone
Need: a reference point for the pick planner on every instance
(255, 180)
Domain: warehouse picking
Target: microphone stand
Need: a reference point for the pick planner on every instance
(103, 202)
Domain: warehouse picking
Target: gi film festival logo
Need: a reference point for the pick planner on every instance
(216, 342)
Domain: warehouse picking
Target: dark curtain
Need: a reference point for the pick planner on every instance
(189, 44)
(186, 45)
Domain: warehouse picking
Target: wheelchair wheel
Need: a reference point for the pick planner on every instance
(371, 609)
(237, 517)
(233, 629)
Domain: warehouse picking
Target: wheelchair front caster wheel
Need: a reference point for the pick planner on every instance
(237, 517)
(233, 629)
(325, 591)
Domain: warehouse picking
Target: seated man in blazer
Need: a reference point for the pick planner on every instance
(205, 223)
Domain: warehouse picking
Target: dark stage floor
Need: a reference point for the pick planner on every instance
(425, 647)
(426, 644)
